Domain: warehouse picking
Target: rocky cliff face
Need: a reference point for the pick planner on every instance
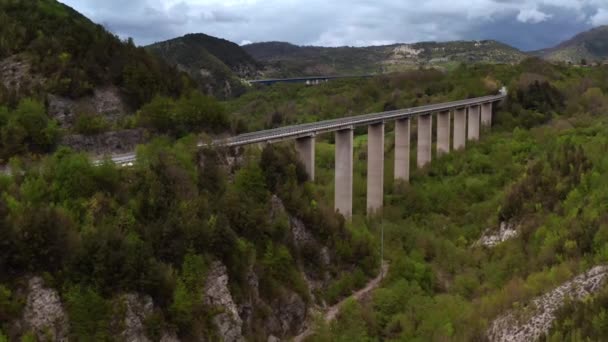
(123, 141)
(44, 314)
(106, 102)
(516, 326)
(217, 295)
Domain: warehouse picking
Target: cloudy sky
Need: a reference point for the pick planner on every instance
(525, 24)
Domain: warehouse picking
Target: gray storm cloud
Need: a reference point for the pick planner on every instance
(526, 24)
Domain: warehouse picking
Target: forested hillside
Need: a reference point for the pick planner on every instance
(541, 171)
(216, 64)
(69, 55)
(65, 80)
(288, 60)
(584, 48)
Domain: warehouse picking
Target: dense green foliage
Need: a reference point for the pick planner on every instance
(74, 55)
(194, 112)
(27, 128)
(548, 181)
(98, 231)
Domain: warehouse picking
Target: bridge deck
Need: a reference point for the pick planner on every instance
(307, 129)
(295, 131)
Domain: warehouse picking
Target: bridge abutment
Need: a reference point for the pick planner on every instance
(375, 167)
(443, 133)
(473, 123)
(305, 147)
(343, 194)
(402, 150)
(425, 142)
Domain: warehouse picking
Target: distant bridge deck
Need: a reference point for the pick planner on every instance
(305, 79)
(295, 131)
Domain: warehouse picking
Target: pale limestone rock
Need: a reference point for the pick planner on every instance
(491, 237)
(44, 313)
(217, 294)
(137, 307)
(510, 328)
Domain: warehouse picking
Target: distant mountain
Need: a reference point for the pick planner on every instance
(216, 64)
(284, 59)
(590, 45)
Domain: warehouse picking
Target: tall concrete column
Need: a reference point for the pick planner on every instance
(443, 133)
(460, 128)
(474, 123)
(402, 150)
(425, 139)
(305, 147)
(375, 167)
(343, 198)
(486, 115)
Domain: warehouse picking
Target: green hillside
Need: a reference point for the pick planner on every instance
(216, 64)
(591, 46)
(285, 59)
(70, 56)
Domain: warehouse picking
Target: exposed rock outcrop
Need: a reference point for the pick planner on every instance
(137, 308)
(15, 74)
(492, 237)
(216, 294)
(288, 315)
(44, 315)
(106, 102)
(516, 326)
(106, 143)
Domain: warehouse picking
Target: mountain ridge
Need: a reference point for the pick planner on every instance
(286, 59)
(590, 45)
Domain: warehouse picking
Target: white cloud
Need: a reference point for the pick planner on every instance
(345, 22)
(245, 42)
(599, 18)
(532, 16)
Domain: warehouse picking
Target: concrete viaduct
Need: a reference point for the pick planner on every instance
(468, 116)
(311, 80)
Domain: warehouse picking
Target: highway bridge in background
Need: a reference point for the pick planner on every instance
(312, 80)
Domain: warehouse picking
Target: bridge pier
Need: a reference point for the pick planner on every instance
(460, 128)
(305, 147)
(375, 167)
(486, 115)
(343, 196)
(425, 142)
(443, 133)
(402, 149)
(474, 123)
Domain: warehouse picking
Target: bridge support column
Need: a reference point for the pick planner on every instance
(486, 115)
(305, 147)
(402, 150)
(425, 139)
(343, 197)
(474, 123)
(443, 133)
(375, 167)
(460, 128)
